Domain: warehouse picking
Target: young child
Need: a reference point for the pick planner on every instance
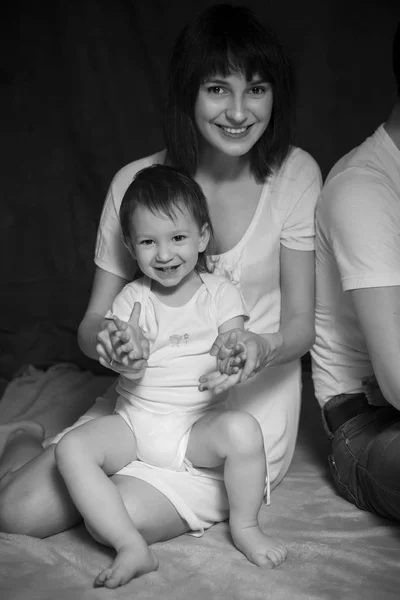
(165, 418)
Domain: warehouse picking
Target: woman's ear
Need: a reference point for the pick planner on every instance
(204, 237)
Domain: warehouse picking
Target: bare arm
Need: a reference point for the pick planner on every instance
(297, 327)
(235, 323)
(105, 288)
(227, 374)
(120, 346)
(236, 360)
(378, 313)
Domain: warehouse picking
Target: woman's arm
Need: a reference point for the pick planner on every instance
(378, 313)
(105, 288)
(297, 328)
(102, 339)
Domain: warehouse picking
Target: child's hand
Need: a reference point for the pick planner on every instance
(123, 341)
(230, 365)
(231, 355)
(258, 350)
(129, 347)
(219, 382)
(234, 363)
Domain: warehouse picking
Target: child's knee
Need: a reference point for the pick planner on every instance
(67, 449)
(241, 433)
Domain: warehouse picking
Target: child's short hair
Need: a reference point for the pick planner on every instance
(225, 39)
(163, 189)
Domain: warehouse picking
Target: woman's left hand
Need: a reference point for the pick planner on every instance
(228, 348)
(218, 382)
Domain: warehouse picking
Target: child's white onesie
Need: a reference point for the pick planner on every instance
(163, 405)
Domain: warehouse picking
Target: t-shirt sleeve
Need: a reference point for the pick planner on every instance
(111, 253)
(230, 303)
(362, 220)
(303, 188)
(124, 302)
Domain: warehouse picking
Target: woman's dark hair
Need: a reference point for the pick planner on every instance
(165, 190)
(396, 58)
(227, 39)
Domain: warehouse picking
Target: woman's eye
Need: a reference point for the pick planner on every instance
(215, 89)
(257, 90)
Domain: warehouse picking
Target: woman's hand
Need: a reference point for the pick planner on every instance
(229, 368)
(218, 382)
(122, 346)
(257, 352)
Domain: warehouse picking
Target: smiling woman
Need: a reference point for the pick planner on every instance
(227, 52)
(233, 109)
(229, 125)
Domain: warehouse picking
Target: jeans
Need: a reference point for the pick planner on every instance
(365, 453)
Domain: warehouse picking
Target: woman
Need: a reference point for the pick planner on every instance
(229, 125)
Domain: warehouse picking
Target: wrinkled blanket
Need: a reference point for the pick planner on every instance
(335, 550)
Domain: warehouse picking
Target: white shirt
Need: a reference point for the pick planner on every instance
(180, 339)
(357, 246)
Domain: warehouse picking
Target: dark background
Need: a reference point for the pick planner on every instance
(82, 94)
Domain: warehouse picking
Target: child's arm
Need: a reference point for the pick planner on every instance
(230, 368)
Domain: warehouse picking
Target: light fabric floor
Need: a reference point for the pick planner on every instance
(335, 550)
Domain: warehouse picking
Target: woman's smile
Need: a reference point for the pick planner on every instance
(234, 132)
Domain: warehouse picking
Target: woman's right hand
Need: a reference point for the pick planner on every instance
(122, 346)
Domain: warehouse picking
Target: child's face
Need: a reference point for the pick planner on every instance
(167, 250)
(232, 113)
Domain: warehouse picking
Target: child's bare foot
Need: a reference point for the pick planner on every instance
(131, 561)
(259, 548)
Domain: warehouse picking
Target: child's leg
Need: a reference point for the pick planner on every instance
(86, 456)
(34, 499)
(235, 438)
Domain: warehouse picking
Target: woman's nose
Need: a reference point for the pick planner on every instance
(237, 110)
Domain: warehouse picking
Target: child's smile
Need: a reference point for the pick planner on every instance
(167, 249)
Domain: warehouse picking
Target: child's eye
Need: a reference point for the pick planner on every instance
(146, 242)
(179, 238)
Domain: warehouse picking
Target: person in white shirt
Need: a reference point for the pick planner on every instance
(229, 125)
(356, 356)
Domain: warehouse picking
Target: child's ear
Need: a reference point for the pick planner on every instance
(204, 237)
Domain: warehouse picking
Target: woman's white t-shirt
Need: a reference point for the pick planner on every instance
(284, 216)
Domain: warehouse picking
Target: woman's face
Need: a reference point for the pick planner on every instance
(232, 113)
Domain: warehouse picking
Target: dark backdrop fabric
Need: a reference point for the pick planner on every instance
(83, 94)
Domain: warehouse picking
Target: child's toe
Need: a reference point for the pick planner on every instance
(278, 556)
(102, 577)
(112, 582)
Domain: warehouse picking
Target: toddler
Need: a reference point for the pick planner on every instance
(165, 418)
